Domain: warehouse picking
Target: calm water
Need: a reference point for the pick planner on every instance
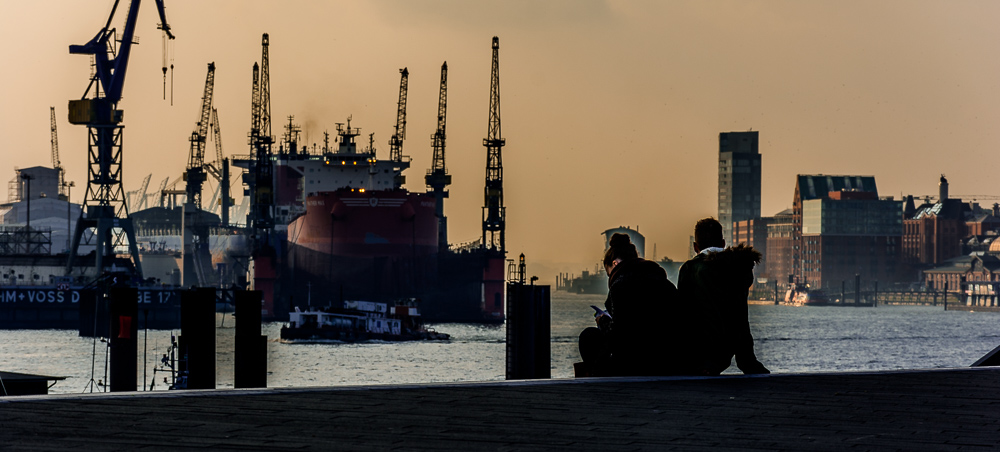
(788, 339)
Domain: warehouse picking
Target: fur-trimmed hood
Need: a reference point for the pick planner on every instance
(740, 256)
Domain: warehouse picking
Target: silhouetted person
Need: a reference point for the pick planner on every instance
(633, 338)
(716, 283)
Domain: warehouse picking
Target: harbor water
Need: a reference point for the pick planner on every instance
(788, 339)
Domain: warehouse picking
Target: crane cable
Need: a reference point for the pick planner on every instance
(168, 54)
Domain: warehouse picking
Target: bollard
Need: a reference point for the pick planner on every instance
(250, 360)
(123, 343)
(197, 340)
(528, 331)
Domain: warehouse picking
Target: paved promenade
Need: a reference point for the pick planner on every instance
(952, 409)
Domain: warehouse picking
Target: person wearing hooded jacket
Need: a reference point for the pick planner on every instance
(715, 283)
(633, 338)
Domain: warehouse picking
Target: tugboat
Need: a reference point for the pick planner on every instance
(803, 295)
(359, 321)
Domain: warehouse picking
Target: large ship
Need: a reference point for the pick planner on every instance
(345, 229)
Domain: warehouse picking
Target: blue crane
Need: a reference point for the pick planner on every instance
(105, 208)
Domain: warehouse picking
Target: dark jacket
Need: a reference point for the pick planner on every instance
(639, 300)
(716, 285)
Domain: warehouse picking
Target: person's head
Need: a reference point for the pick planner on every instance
(708, 234)
(620, 248)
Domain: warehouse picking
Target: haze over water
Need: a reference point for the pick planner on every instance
(788, 339)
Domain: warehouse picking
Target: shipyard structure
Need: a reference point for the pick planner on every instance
(334, 224)
(322, 226)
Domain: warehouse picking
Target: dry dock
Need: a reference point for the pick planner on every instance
(948, 409)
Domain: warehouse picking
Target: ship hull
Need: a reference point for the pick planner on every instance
(382, 246)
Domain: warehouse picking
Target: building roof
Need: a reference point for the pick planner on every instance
(966, 262)
(952, 209)
(818, 186)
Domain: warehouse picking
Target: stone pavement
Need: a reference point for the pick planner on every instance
(947, 409)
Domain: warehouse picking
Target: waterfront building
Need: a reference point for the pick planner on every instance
(739, 179)
(842, 230)
(933, 233)
(779, 249)
(976, 277)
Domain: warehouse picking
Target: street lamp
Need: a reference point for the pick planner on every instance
(27, 195)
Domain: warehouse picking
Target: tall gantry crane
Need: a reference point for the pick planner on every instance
(105, 209)
(437, 178)
(494, 215)
(195, 174)
(262, 187)
(396, 141)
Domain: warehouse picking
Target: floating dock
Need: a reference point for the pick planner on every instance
(946, 409)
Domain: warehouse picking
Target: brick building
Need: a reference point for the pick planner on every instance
(841, 228)
(778, 252)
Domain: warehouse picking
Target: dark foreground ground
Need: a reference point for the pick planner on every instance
(950, 409)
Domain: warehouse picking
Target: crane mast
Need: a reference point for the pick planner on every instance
(396, 141)
(263, 191)
(437, 178)
(494, 215)
(105, 209)
(54, 141)
(195, 175)
(220, 162)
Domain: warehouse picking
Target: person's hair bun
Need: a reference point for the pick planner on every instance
(618, 240)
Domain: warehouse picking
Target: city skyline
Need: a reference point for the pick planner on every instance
(611, 110)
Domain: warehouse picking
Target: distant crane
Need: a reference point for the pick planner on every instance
(437, 177)
(494, 214)
(104, 203)
(139, 200)
(262, 185)
(220, 170)
(195, 175)
(54, 141)
(396, 141)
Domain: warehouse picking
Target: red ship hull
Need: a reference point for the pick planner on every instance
(392, 223)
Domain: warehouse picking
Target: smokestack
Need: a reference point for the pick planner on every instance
(942, 189)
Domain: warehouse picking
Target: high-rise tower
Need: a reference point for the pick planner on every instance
(739, 180)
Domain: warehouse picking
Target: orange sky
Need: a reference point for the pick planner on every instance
(611, 110)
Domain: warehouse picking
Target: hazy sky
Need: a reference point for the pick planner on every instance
(611, 109)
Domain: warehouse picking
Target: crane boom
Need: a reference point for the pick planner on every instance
(396, 141)
(217, 136)
(437, 177)
(195, 175)
(110, 72)
(54, 139)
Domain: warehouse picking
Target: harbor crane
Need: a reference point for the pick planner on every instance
(396, 141)
(56, 164)
(437, 177)
(195, 174)
(494, 214)
(260, 180)
(220, 170)
(104, 206)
